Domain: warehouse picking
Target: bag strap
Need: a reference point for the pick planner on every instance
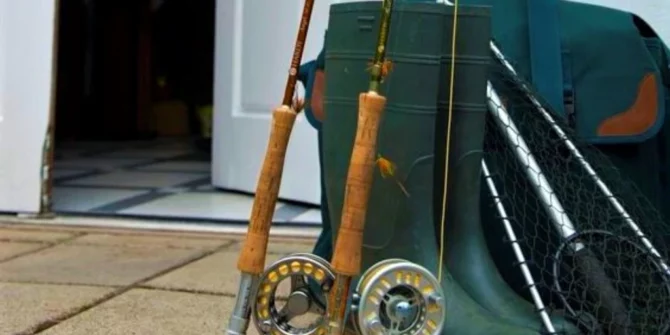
(568, 88)
(665, 65)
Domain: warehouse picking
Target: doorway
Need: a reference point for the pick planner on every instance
(134, 114)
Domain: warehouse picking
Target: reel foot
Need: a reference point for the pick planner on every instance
(311, 279)
(398, 297)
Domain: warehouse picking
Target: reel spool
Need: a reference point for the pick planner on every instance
(396, 296)
(311, 279)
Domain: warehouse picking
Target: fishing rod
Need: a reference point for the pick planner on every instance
(346, 261)
(251, 262)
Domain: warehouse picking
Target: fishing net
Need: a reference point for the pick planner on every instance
(579, 227)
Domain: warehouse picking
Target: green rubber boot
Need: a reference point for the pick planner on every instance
(401, 226)
(469, 259)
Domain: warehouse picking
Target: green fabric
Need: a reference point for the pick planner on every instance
(321, 59)
(545, 46)
(609, 58)
(607, 55)
(324, 244)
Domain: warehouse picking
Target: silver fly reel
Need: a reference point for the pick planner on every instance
(303, 310)
(398, 297)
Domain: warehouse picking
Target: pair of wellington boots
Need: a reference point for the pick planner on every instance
(413, 136)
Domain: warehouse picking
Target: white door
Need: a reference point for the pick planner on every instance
(254, 44)
(26, 61)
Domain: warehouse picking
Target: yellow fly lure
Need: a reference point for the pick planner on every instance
(384, 69)
(387, 169)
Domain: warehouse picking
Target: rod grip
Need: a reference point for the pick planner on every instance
(252, 255)
(349, 244)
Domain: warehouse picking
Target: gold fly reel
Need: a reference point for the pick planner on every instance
(398, 297)
(303, 310)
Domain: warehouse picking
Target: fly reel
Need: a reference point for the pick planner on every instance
(396, 296)
(303, 310)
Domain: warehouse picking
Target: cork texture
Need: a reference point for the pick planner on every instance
(252, 255)
(347, 255)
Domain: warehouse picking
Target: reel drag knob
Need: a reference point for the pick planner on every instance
(398, 297)
(311, 279)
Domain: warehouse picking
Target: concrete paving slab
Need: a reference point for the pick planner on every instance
(216, 273)
(11, 249)
(284, 246)
(25, 306)
(16, 235)
(141, 311)
(174, 241)
(85, 228)
(291, 247)
(94, 265)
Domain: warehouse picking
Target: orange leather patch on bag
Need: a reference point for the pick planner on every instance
(640, 117)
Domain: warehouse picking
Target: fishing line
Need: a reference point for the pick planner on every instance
(448, 144)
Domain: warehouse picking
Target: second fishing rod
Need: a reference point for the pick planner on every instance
(346, 261)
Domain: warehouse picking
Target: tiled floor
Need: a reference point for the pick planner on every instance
(164, 178)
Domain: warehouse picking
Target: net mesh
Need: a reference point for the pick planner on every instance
(587, 260)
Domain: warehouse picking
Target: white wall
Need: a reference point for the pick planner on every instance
(26, 54)
(655, 12)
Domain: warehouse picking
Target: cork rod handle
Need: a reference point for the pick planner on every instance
(252, 256)
(349, 244)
